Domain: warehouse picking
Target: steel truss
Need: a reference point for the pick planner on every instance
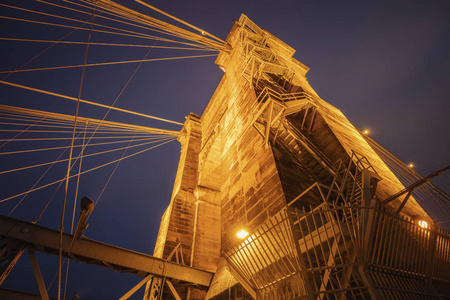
(16, 236)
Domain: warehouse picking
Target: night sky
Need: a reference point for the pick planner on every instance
(384, 64)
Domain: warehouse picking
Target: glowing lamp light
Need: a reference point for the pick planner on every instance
(242, 234)
(423, 224)
(411, 165)
(366, 131)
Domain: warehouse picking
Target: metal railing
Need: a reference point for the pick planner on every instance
(267, 259)
(283, 97)
(324, 248)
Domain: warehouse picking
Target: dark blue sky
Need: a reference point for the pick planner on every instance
(384, 64)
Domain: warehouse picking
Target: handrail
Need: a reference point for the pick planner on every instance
(323, 242)
(285, 96)
(327, 164)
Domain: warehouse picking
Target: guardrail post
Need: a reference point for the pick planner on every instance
(306, 277)
(430, 257)
(369, 214)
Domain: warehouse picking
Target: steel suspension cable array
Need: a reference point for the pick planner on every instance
(115, 30)
(93, 122)
(111, 8)
(101, 44)
(20, 125)
(29, 118)
(149, 37)
(202, 40)
(37, 182)
(75, 204)
(119, 11)
(89, 170)
(87, 102)
(83, 156)
(424, 194)
(66, 190)
(109, 63)
(38, 114)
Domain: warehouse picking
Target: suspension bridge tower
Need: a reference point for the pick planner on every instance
(313, 201)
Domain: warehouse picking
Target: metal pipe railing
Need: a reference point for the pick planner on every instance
(330, 244)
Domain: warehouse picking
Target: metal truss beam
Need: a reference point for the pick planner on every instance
(136, 287)
(38, 275)
(90, 251)
(10, 253)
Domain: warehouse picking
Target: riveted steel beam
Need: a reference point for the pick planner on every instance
(90, 251)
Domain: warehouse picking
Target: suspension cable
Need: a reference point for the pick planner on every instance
(107, 124)
(109, 179)
(46, 49)
(107, 44)
(75, 205)
(87, 102)
(147, 27)
(110, 63)
(203, 32)
(87, 171)
(75, 146)
(61, 228)
(407, 176)
(87, 155)
(149, 37)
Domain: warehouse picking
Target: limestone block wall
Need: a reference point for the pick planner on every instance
(250, 188)
(178, 221)
(227, 177)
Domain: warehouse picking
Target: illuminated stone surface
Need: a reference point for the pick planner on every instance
(239, 165)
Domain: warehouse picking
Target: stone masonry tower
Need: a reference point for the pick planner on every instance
(270, 157)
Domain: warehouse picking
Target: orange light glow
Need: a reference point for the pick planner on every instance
(423, 224)
(242, 234)
(366, 131)
(411, 165)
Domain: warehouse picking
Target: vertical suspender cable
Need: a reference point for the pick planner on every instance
(61, 228)
(81, 158)
(75, 204)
